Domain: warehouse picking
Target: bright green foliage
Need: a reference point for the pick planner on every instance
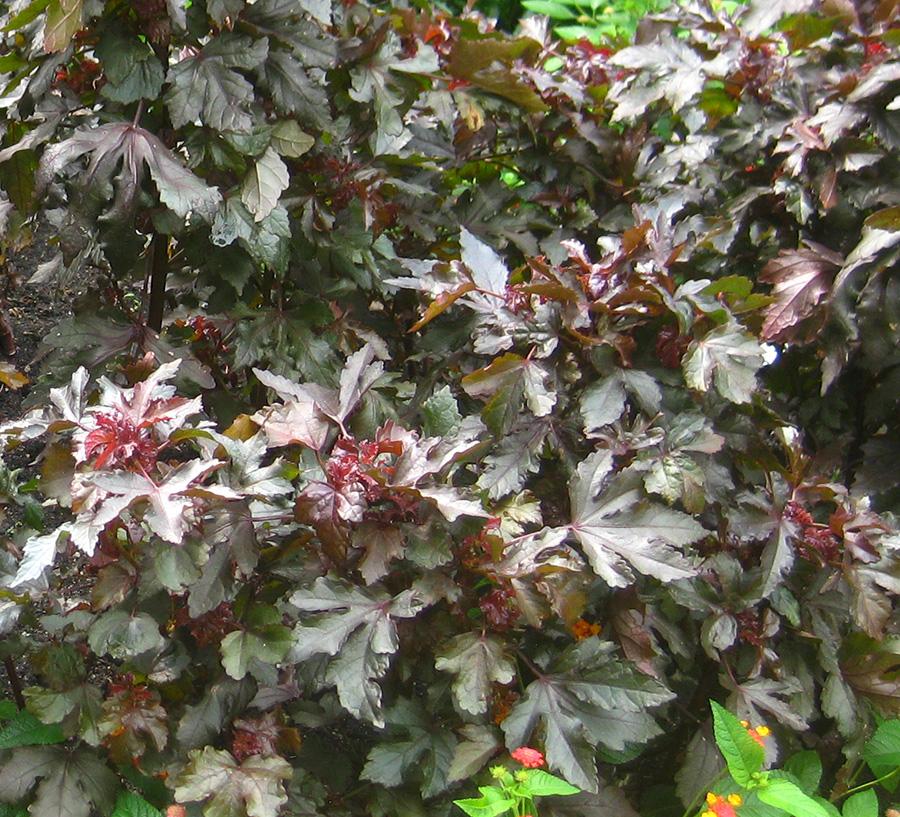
(743, 755)
(514, 793)
(794, 790)
(594, 21)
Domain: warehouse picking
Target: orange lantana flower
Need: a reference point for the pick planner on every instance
(582, 629)
(757, 733)
(719, 806)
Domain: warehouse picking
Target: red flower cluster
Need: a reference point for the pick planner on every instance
(529, 758)
(816, 543)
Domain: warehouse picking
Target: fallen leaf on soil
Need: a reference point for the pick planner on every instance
(12, 377)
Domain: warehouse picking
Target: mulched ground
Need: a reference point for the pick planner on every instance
(32, 311)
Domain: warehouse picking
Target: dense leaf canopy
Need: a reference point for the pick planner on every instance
(439, 391)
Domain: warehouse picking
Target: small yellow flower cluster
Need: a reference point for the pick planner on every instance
(757, 733)
(722, 806)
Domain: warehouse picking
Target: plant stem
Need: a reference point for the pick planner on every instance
(159, 271)
(698, 798)
(863, 786)
(15, 683)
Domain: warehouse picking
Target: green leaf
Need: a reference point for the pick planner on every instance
(440, 413)
(63, 21)
(130, 804)
(482, 807)
(267, 644)
(544, 784)
(787, 796)
(26, 15)
(77, 707)
(121, 635)
(743, 755)
(504, 382)
(861, 804)
(502, 409)
(289, 140)
(882, 753)
(267, 241)
(806, 766)
(555, 11)
(131, 68)
(24, 729)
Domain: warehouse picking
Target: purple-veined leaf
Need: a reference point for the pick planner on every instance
(477, 661)
(206, 87)
(728, 358)
(757, 695)
(801, 279)
(168, 499)
(620, 530)
(289, 140)
(135, 148)
(231, 789)
(121, 635)
(356, 628)
(382, 544)
(479, 744)
(70, 782)
(297, 89)
(515, 456)
(264, 184)
(589, 699)
(302, 418)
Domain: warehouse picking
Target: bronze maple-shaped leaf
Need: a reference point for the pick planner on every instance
(800, 279)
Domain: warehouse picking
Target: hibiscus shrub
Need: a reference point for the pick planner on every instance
(437, 392)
